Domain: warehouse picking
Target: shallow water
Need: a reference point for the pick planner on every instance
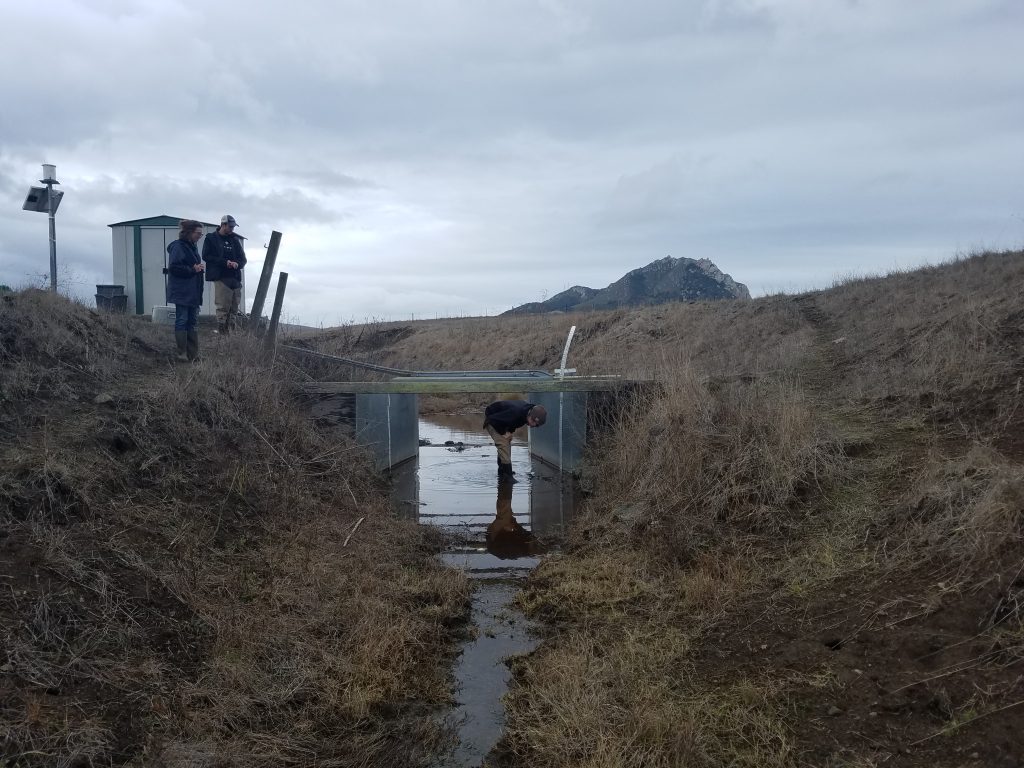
(497, 533)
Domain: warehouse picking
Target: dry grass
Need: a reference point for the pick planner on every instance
(822, 484)
(176, 587)
(971, 507)
(698, 466)
(837, 455)
(638, 342)
(638, 700)
(947, 337)
(693, 493)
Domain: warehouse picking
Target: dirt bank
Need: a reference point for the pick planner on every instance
(175, 585)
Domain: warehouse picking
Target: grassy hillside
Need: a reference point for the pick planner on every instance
(175, 588)
(805, 549)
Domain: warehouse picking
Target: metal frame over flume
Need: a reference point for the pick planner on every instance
(45, 200)
(385, 412)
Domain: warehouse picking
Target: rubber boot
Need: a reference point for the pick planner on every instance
(505, 472)
(192, 342)
(181, 339)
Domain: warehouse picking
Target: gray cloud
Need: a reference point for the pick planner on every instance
(424, 158)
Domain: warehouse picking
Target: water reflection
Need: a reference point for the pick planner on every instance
(506, 537)
(452, 484)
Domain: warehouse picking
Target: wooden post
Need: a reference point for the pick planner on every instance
(270, 339)
(256, 316)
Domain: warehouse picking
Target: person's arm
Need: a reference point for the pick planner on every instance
(241, 253)
(212, 253)
(179, 261)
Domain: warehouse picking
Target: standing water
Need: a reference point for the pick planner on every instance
(496, 533)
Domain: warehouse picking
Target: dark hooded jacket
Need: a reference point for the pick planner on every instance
(184, 284)
(218, 250)
(507, 415)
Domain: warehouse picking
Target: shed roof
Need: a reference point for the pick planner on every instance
(157, 221)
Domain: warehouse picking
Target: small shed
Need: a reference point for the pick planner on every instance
(140, 256)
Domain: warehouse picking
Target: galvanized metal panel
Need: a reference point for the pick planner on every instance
(561, 440)
(551, 500)
(389, 426)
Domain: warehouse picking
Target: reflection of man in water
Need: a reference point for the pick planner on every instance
(506, 538)
(502, 418)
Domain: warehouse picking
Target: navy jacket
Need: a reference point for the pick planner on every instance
(184, 284)
(217, 252)
(507, 415)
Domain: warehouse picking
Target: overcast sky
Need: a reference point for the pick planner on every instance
(464, 156)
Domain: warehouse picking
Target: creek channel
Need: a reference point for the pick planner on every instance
(497, 533)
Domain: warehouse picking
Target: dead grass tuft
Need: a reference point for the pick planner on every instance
(699, 464)
(971, 508)
(637, 700)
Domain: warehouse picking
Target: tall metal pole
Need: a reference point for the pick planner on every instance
(49, 179)
(34, 202)
(53, 239)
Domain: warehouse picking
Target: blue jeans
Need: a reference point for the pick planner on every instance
(186, 318)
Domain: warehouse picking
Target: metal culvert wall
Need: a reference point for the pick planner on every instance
(560, 445)
(389, 426)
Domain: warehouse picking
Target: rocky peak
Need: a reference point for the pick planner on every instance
(665, 279)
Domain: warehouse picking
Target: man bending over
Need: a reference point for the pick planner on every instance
(502, 418)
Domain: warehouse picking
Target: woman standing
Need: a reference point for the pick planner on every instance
(185, 287)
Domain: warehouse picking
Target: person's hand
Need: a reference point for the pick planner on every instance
(232, 265)
(199, 267)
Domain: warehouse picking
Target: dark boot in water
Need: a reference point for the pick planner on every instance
(505, 473)
(181, 340)
(192, 345)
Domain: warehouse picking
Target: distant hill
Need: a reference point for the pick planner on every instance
(667, 279)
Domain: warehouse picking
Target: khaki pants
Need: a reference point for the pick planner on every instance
(227, 304)
(503, 443)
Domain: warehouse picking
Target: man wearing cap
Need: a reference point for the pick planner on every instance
(501, 420)
(225, 258)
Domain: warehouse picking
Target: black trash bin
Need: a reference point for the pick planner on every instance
(110, 290)
(117, 304)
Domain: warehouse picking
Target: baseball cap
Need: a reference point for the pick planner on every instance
(229, 220)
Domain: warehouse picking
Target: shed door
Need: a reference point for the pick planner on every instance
(154, 259)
